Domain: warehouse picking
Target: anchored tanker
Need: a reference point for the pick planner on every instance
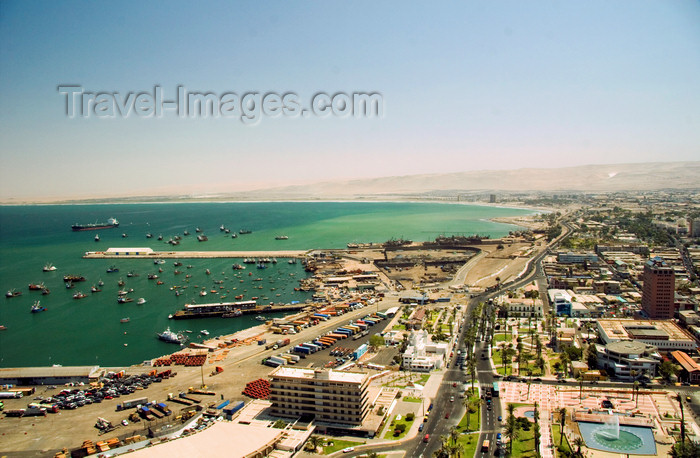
(112, 222)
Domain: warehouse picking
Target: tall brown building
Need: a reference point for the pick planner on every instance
(658, 290)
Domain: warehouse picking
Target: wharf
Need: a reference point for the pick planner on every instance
(219, 310)
(149, 254)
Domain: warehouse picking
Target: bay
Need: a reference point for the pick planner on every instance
(89, 332)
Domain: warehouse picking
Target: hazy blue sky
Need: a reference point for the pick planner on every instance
(466, 85)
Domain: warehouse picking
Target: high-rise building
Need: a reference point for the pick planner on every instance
(658, 290)
(330, 396)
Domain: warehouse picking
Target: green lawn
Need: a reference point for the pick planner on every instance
(525, 445)
(339, 444)
(411, 399)
(399, 327)
(392, 426)
(468, 443)
(500, 337)
(556, 438)
(474, 421)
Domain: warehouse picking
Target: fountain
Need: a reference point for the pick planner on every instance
(612, 437)
(611, 428)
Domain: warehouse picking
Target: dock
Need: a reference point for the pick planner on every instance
(148, 253)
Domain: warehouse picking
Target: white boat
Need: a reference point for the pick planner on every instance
(49, 267)
(172, 337)
(97, 237)
(204, 332)
(202, 293)
(141, 301)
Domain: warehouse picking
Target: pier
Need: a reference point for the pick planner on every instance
(148, 253)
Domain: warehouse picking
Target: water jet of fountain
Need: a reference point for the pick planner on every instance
(611, 428)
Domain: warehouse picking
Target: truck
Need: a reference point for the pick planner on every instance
(311, 346)
(11, 394)
(199, 391)
(129, 403)
(153, 411)
(145, 413)
(302, 349)
(262, 341)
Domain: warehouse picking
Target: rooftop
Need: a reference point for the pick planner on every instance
(311, 374)
(618, 329)
(51, 371)
(688, 363)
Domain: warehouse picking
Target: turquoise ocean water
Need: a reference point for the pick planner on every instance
(88, 331)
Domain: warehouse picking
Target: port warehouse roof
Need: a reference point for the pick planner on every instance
(85, 373)
(128, 251)
(222, 439)
(686, 361)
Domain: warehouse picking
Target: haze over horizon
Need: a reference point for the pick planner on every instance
(467, 86)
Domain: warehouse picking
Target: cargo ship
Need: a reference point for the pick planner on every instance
(112, 222)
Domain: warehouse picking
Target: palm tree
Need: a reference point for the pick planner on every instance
(578, 443)
(314, 442)
(454, 435)
(636, 389)
(680, 403)
(562, 422)
(580, 387)
(565, 360)
(467, 403)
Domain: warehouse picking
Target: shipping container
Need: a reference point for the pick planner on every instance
(301, 349)
(230, 410)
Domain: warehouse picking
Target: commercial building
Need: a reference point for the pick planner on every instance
(520, 307)
(663, 334)
(577, 258)
(628, 360)
(329, 396)
(422, 355)
(658, 289)
(55, 375)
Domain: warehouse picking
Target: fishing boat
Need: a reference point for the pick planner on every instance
(100, 283)
(197, 229)
(222, 228)
(152, 276)
(158, 261)
(2, 327)
(234, 236)
(121, 282)
(204, 332)
(141, 301)
(37, 307)
(35, 287)
(149, 235)
(160, 236)
(186, 232)
(202, 238)
(177, 263)
(70, 285)
(97, 237)
(13, 293)
(202, 293)
(260, 318)
(208, 272)
(45, 291)
(112, 269)
(124, 320)
(292, 261)
(73, 278)
(79, 295)
(281, 237)
(124, 235)
(238, 267)
(245, 231)
(111, 223)
(172, 337)
(131, 273)
(95, 289)
(48, 267)
(124, 300)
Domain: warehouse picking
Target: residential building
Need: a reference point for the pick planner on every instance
(577, 258)
(422, 355)
(330, 396)
(658, 289)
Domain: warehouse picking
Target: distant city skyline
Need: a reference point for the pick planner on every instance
(465, 86)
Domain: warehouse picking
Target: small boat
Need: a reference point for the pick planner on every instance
(49, 267)
(45, 291)
(202, 293)
(124, 320)
(149, 235)
(97, 237)
(124, 235)
(281, 237)
(79, 295)
(95, 289)
(121, 282)
(2, 327)
(159, 282)
(73, 278)
(261, 266)
(177, 263)
(158, 261)
(204, 332)
(197, 229)
(131, 273)
(37, 307)
(35, 287)
(177, 272)
(292, 261)
(124, 300)
(207, 272)
(69, 285)
(234, 236)
(227, 230)
(202, 238)
(189, 266)
(141, 301)
(152, 276)
(13, 293)
(100, 283)
(112, 269)
(186, 232)
(245, 231)
(260, 318)
(188, 331)
(222, 228)
(238, 267)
